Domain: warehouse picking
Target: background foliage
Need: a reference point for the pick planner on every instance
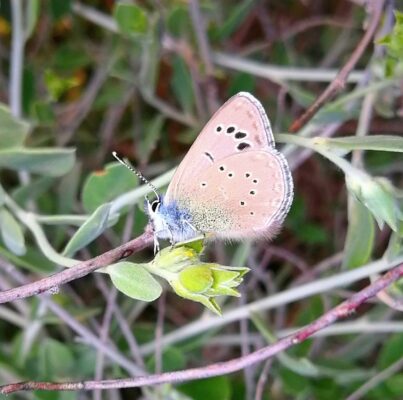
(82, 79)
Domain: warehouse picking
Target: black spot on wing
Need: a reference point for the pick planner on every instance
(240, 135)
(243, 145)
(209, 156)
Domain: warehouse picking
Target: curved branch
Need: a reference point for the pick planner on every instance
(339, 82)
(343, 310)
(78, 270)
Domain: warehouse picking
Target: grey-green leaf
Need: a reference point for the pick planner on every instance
(12, 130)
(89, 230)
(360, 235)
(45, 161)
(11, 233)
(150, 139)
(134, 281)
(372, 142)
(377, 195)
(32, 14)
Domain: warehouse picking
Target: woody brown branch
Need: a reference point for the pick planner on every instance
(79, 270)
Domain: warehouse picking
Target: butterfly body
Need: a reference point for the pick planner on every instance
(170, 220)
(232, 184)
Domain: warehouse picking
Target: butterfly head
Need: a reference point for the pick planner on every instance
(152, 207)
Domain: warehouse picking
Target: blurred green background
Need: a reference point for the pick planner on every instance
(79, 80)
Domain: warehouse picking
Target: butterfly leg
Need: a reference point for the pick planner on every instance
(156, 245)
(171, 239)
(195, 230)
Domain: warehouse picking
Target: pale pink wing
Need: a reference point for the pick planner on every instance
(244, 195)
(240, 125)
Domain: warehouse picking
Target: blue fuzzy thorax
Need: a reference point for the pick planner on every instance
(171, 221)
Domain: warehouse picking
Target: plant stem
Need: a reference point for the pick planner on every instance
(79, 270)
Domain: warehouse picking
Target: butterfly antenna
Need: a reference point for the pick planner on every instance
(128, 166)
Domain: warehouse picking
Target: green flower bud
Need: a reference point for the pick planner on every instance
(203, 282)
(193, 279)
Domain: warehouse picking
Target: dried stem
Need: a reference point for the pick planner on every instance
(339, 82)
(77, 271)
(343, 310)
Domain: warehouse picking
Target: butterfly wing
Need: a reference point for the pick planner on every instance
(240, 125)
(243, 195)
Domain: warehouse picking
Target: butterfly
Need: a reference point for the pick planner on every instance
(232, 184)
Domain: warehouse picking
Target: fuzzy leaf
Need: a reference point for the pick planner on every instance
(90, 230)
(360, 236)
(134, 281)
(13, 131)
(11, 233)
(103, 186)
(373, 142)
(45, 161)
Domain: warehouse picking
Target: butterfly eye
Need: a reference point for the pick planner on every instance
(155, 205)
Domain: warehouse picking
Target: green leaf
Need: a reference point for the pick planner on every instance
(35, 188)
(89, 230)
(182, 85)
(294, 384)
(2, 196)
(42, 111)
(172, 360)
(395, 246)
(55, 360)
(302, 96)
(150, 138)
(377, 195)
(360, 235)
(45, 161)
(373, 142)
(134, 281)
(13, 131)
(11, 233)
(394, 41)
(131, 19)
(231, 23)
(242, 82)
(32, 14)
(103, 186)
(178, 21)
(196, 244)
(60, 8)
(69, 57)
(212, 388)
(391, 351)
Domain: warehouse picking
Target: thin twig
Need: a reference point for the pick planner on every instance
(75, 114)
(343, 310)
(79, 270)
(376, 380)
(339, 82)
(205, 51)
(159, 333)
(17, 58)
(104, 335)
(262, 380)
